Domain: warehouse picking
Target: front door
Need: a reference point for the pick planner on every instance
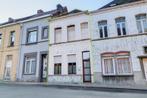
(86, 67)
(145, 66)
(44, 68)
(7, 74)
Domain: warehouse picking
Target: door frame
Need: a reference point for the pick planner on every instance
(84, 70)
(40, 68)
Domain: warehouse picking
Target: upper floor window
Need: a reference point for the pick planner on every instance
(32, 35)
(45, 32)
(117, 64)
(103, 30)
(12, 38)
(121, 26)
(142, 23)
(0, 39)
(84, 30)
(71, 33)
(58, 35)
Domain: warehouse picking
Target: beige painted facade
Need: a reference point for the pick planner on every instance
(6, 50)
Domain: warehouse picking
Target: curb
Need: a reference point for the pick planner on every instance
(80, 87)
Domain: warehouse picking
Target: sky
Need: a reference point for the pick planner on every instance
(22, 8)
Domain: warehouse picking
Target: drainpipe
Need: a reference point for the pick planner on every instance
(90, 19)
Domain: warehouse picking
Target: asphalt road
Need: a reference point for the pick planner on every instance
(13, 91)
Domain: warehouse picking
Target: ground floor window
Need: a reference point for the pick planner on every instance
(57, 65)
(30, 65)
(72, 64)
(116, 63)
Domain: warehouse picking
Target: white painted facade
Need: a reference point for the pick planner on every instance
(132, 42)
(65, 47)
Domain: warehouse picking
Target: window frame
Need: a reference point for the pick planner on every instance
(142, 24)
(104, 34)
(32, 30)
(1, 35)
(33, 56)
(42, 34)
(114, 57)
(74, 38)
(11, 42)
(83, 33)
(55, 40)
(59, 68)
(120, 23)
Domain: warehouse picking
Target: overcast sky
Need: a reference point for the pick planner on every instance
(21, 8)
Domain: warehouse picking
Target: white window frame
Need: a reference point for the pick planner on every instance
(57, 40)
(103, 29)
(30, 59)
(105, 58)
(114, 66)
(142, 25)
(121, 28)
(84, 31)
(69, 38)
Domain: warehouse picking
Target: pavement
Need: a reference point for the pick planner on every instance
(37, 91)
(85, 86)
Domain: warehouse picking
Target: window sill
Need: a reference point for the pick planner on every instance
(31, 43)
(29, 74)
(121, 75)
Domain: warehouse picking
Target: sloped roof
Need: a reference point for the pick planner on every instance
(118, 2)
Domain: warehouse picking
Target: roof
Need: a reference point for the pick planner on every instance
(118, 2)
(59, 10)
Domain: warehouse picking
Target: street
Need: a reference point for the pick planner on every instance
(14, 91)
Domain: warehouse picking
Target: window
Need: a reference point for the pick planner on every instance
(103, 30)
(121, 26)
(30, 65)
(45, 32)
(12, 38)
(117, 64)
(84, 30)
(142, 23)
(145, 49)
(71, 33)
(0, 39)
(71, 64)
(32, 35)
(58, 35)
(57, 65)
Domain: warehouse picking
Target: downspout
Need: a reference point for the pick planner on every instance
(90, 19)
(20, 46)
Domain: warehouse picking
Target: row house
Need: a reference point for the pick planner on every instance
(69, 48)
(119, 43)
(9, 49)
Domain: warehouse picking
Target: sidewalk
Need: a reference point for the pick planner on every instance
(87, 86)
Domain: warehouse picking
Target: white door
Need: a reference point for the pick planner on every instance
(145, 67)
(7, 74)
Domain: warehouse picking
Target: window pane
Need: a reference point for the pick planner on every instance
(145, 25)
(118, 29)
(139, 26)
(58, 35)
(106, 32)
(27, 67)
(33, 66)
(45, 32)
(124, 28)
(123, 66)
(32, 36)
(71, 33)
(108, 66)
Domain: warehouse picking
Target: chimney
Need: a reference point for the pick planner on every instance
(10, 19)
(40, 11)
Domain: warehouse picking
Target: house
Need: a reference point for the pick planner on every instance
(34, 53)
(69, 48)
(9, 49)
(119, 42)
